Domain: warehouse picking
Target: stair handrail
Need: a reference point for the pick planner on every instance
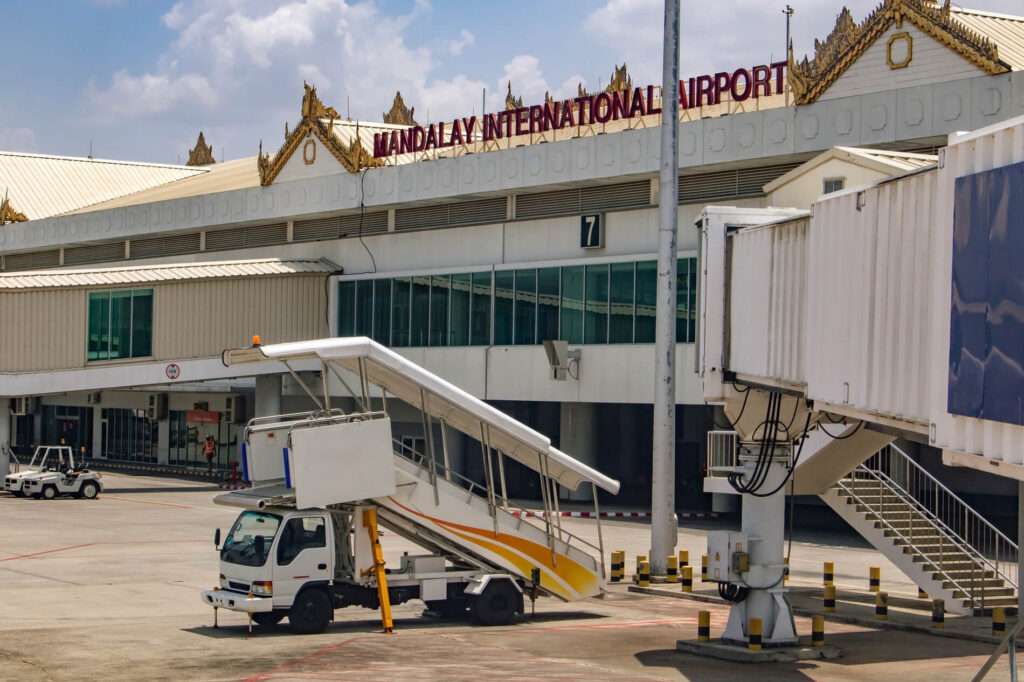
(878, 515)
(973, 516)
(522, 514)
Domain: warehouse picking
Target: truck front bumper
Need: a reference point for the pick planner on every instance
(236, 601)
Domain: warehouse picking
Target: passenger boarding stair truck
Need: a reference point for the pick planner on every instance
(307, 542)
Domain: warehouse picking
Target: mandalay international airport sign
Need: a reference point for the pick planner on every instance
(738, 86)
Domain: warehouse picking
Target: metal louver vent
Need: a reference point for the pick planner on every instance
(752, 180)
(219, 240)
(478, 212)
(266, 235)
(316, 230)
(625, 195)
(544, 204)
(372, 223)
(94, 253)
(32, 261)
(729, 184)
(421, 217)
(165, 246)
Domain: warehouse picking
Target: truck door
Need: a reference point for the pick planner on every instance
(303, 555)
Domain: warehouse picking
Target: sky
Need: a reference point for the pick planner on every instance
(138, 79)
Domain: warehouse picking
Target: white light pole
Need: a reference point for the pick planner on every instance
(663, 472)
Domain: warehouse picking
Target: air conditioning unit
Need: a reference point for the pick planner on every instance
(236, 409)
(93, 398)
(157, 406)
(23, 405)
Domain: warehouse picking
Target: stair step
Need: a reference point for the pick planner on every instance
(990, 585)
(995, 601)
(963, 577)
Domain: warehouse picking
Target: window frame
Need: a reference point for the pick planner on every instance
(106, 330)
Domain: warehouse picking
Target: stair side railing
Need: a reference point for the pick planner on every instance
(942, 506)
(879, 486)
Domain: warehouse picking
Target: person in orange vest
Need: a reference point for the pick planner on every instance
(210, 450)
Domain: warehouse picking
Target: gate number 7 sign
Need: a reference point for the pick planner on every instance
(591, 236)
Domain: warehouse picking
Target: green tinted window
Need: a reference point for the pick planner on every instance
(120, 324)
(400, 290)
(364, 308)
(440, 286)
(548, 297)
(382, 311)
(459, 334)
(480, 307)
(596, 315)
(142, 323)
(572, 304)
(99, 325)
(525, 307)
(420, 310)
(620, 326)
(504, 289)
(346, 309)
(646, 300)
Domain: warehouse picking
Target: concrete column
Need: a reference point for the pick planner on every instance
(163, 441)
(5, 434)
(578, 427)
(97, 432)
(268, 395)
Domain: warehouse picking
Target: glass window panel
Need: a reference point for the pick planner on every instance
(120, 324)
(440, 286)
(459, 332)
(480, 307)
(683, 310)
(691, 297)
(646, 300)
(99, 319)
(400, 291)
(364, 308)
(620, 327)
(548, 293)
(142, 323)
(526, 307)
(420, 311)
(346, 309)
(382, 311)
(596, 316)
(504, 290)
(572, 304)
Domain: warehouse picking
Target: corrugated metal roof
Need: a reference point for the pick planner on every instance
(42, 186)
(880, 160)
(1006, 31)
(898, 160)
(162, 273)
(220, 177)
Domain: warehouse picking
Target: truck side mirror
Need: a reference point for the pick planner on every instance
(216, 539)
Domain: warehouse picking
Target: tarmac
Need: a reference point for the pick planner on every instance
(109, 590)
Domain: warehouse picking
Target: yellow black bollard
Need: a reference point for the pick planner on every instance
(828, 575)
(643, 578)
(618, 565)
(640, 558)
(704, 568)
(754, 635)
(830, 599)
(998, 622)
(875, 579)
(818, 631)
(785, 571)
(672, 571)
(921, 594)
(703, 625)
(938, 613)
(684, 559)
(882, 606)
(688, 579)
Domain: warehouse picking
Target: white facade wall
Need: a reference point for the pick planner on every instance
(967, 154)
(807, 188)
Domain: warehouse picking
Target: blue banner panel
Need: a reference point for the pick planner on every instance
(986, 329)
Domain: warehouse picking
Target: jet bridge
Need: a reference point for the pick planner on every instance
(329, 457)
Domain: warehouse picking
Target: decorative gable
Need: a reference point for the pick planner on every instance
(890, 31)
(352, 155)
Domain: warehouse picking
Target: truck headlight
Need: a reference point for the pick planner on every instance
(223, 580)
(263, 588)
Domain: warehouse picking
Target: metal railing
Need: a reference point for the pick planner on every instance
(958, 529)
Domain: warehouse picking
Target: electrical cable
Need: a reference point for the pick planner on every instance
(362, 212)
(792, 466)
(849, 435)
(732, 593)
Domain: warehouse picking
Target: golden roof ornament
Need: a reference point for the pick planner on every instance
(400, 114)
(201, 154)
(620, 80)
(352, 155)
(8, 214)
(512, 102)
(809, 79)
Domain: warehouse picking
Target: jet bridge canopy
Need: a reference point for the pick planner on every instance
(398, 377)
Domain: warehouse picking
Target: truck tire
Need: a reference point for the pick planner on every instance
(497, 604)
(311, 612)
(89, 490)
(49, 492)
(269, 618)
(18, 493)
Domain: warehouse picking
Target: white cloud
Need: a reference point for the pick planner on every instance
(18, 140)
(313, 74)
(465, 40)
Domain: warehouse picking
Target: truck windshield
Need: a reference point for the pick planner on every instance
(241, 544)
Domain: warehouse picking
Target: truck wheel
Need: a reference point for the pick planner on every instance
(18, 493)
(268, 619)
(498, 603)
(49, 492)
(89, 490)
(311, 612)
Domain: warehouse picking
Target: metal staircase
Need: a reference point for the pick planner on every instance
(943, 545)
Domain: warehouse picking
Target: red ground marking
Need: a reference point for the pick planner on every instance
(162, 504)
(295, 662)
(96, 544)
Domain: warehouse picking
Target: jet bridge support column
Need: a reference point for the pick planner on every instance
(268, 395)
(752, 560)
(5, 435)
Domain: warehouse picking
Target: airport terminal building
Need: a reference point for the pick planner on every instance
(462, 244)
